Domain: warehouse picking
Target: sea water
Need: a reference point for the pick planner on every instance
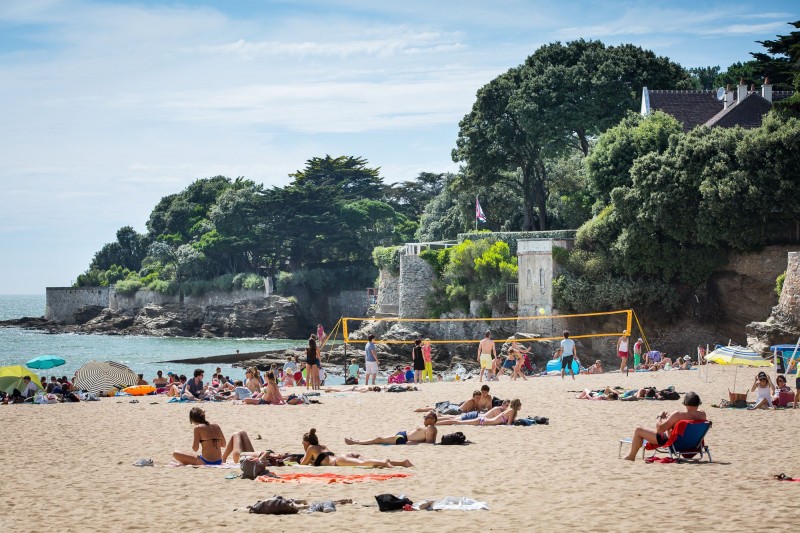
(141, 353)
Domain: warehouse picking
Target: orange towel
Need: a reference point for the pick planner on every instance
(328, 477)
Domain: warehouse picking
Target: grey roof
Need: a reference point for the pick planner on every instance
(694, 108)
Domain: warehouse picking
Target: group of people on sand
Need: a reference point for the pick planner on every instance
(770, 395)
(210, 448)
(517, 360)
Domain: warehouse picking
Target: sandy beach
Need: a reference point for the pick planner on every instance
(69, 466)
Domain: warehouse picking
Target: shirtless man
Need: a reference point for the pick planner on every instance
(472, 404)
(446, 420)
(664, 425)
(421, 435)
(485, 402)
(486, 355)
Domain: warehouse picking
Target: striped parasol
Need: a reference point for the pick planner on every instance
(101, 377)
(737, 355)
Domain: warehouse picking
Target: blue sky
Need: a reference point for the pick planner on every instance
(108, 106)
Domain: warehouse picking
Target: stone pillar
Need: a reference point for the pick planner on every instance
(416, 279)
(789, 301)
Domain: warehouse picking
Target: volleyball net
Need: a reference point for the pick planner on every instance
(539, 328)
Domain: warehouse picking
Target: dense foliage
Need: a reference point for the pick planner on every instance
(473, 270)
(554, 103)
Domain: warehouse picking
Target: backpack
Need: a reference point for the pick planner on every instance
(390, 502)
(252, 467)
(454, 439)
(668, 394)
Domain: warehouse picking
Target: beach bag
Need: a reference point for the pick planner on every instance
(390, 502)
(252, 467)
(275, 505)
(668, 394)
(738, 399)
(454, 439)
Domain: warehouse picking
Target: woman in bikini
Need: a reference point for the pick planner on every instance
(208, 439)
(319, 455)
(506, 417)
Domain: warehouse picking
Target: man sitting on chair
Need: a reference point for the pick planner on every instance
(665, 424)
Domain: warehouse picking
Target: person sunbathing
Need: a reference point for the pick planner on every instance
(421, 435)
(783, 393)
(596, 368)
(271, 394)
(664, 425)
(472, 404)
(208, 438)
(449, 420)
(355, 388)
(319, 455)
(506, 417)
(239, 445)
(607, 394)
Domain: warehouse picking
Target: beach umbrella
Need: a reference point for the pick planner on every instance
(45, 361)
(736, 355)
(11, 378)
(100, 377)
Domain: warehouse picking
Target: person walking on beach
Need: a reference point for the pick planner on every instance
(622, 350)
(371, 360)
(312, 364)
(486, 355)
(568, 354)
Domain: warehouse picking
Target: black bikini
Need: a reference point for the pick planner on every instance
(321, 457)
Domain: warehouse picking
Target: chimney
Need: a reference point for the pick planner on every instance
(742, 91)
(766, 90)
(728, 97)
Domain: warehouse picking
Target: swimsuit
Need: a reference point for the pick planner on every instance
(401, 437)
(210, 463)
(566, 362)
(662, 438)
(486, 360)
(321, 457)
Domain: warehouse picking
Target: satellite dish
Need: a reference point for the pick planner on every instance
(721, 93)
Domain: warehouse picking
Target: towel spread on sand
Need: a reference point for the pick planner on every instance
(453, 503)
(327, 477)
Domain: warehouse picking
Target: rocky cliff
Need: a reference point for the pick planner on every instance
(273, 316)
(783, 324)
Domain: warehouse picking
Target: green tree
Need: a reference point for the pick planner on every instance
(562, 96)
(128, 251)
(704, 77)
(610, 162)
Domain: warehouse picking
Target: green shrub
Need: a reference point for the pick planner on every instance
(224, 283)
(438, 259)
(581, 295)
(128, 287)
(779, 283)
(248, 281)
(163, 287)
(388, 258)
(327, 280)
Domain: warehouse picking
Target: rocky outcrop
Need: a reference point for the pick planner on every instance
(273, 317)
(783, 324)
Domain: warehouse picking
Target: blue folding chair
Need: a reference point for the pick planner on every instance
(686, 440)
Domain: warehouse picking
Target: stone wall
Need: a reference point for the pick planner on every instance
(416, 279)
(63, 302)
(388, 293)
(789, 302)
(347, 303)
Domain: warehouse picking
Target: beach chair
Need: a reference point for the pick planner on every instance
(685, 441)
